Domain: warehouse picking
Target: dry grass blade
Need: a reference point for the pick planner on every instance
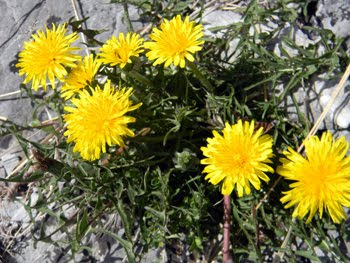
(330, 103)
(10, 93)
(211, 4)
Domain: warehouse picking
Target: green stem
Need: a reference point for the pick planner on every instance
(18, 128)
(186, 94)
(127, 17)
(200, 76)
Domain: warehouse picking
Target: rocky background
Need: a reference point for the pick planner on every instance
(21, 18)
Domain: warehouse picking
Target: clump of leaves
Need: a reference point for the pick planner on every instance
(154, 183)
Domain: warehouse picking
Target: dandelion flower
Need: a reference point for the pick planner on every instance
(240, 157)
(322, 178)
(97, 119)
(46, 56)
(119, 51)
(175, 42)
(80, 77)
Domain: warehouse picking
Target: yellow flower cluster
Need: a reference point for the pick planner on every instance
(239, 157)
(48, 55)
(322, 178)
(97, 116)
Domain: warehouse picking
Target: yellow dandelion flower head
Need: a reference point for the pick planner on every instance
(47, 55)
(80, 77)
(240, 157)
(98, 118)
(119, 51)
(322, 178)
(175, 42)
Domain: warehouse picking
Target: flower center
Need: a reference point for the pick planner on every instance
(232, 159)
(180, 44)
(239, 161)
(47, 59)
(317, 178)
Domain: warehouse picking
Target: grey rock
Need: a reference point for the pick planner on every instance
(335, 15)
(157, 255)
(219, 18)
(60, 185)
(21, 215)
(105, 249)
(9, 162)
(314, 97)
(11, 212)
(2, 173)
(340, 110)
(110, 17)
(28, 251)
(296, 35)
(21, 19)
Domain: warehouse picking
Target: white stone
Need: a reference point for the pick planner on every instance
(343, 117)
(219, 18)
(34, 197)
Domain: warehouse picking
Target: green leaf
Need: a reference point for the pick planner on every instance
(126, 218)
(160, 215)
(36, 176)
(82, 226)
(307, 254)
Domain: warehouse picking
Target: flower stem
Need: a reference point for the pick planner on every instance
(227, 219)
(200, 76)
